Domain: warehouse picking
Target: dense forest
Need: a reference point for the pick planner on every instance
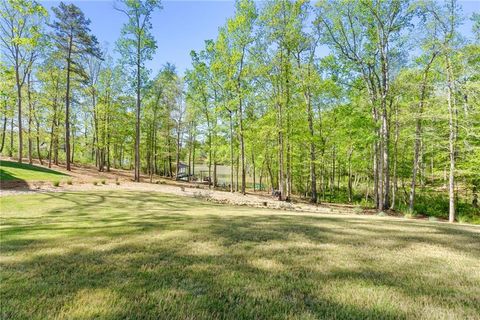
(369, 102)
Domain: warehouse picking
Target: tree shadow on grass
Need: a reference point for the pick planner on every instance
(152, 257)
(165, 283)
(8, 181)
(26, 166)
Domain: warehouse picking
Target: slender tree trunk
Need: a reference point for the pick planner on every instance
(332, 177)
(137, 124)
(452, 123)
(4, 132)
(67, 107)
(50, 148)
(19, 101)
(281, 174)
(190, 146)
(289, 162)
(313, 177)
(73, 145)
(350, 193)
(395, 160)
(38, 140)
(215, 182)
(169, 151)
(237, 167)
(193, 157)
(10, 152)
(108, 142)
(231, 152)
(253, 168)
(30, 120)
(418, 133)
(177, 157)
(242, 146)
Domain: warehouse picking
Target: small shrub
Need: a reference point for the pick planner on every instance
(381, 214)
(366, 204)
(69, 182)
(409, 215)
(104, 182)
(117, 182)
(95, 183)
(56, 183)
(203, 196)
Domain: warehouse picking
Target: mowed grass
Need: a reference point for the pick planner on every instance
(10, 171)
(137, 255)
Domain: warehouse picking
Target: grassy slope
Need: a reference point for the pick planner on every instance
(10, 170)
(150, 256)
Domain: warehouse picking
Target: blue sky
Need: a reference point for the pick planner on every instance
(181, 26)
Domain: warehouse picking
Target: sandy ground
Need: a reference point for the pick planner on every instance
(83, 178)
(251, 200)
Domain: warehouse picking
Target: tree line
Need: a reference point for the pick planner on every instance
(363, 101)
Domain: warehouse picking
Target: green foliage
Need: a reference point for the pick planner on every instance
(136, 43)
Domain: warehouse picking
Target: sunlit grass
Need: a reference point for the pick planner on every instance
(10, 170)
(144, 255)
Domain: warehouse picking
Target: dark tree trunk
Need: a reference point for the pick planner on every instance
(10, 152)
(4, 132)
(67, 108)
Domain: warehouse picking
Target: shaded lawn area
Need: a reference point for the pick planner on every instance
(11, 171)
(140, 255)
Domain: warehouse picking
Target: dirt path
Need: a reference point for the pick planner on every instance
(83, 178)
(251, 200)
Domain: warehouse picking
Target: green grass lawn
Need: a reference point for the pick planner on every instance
(137, 255)
(10, 170)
